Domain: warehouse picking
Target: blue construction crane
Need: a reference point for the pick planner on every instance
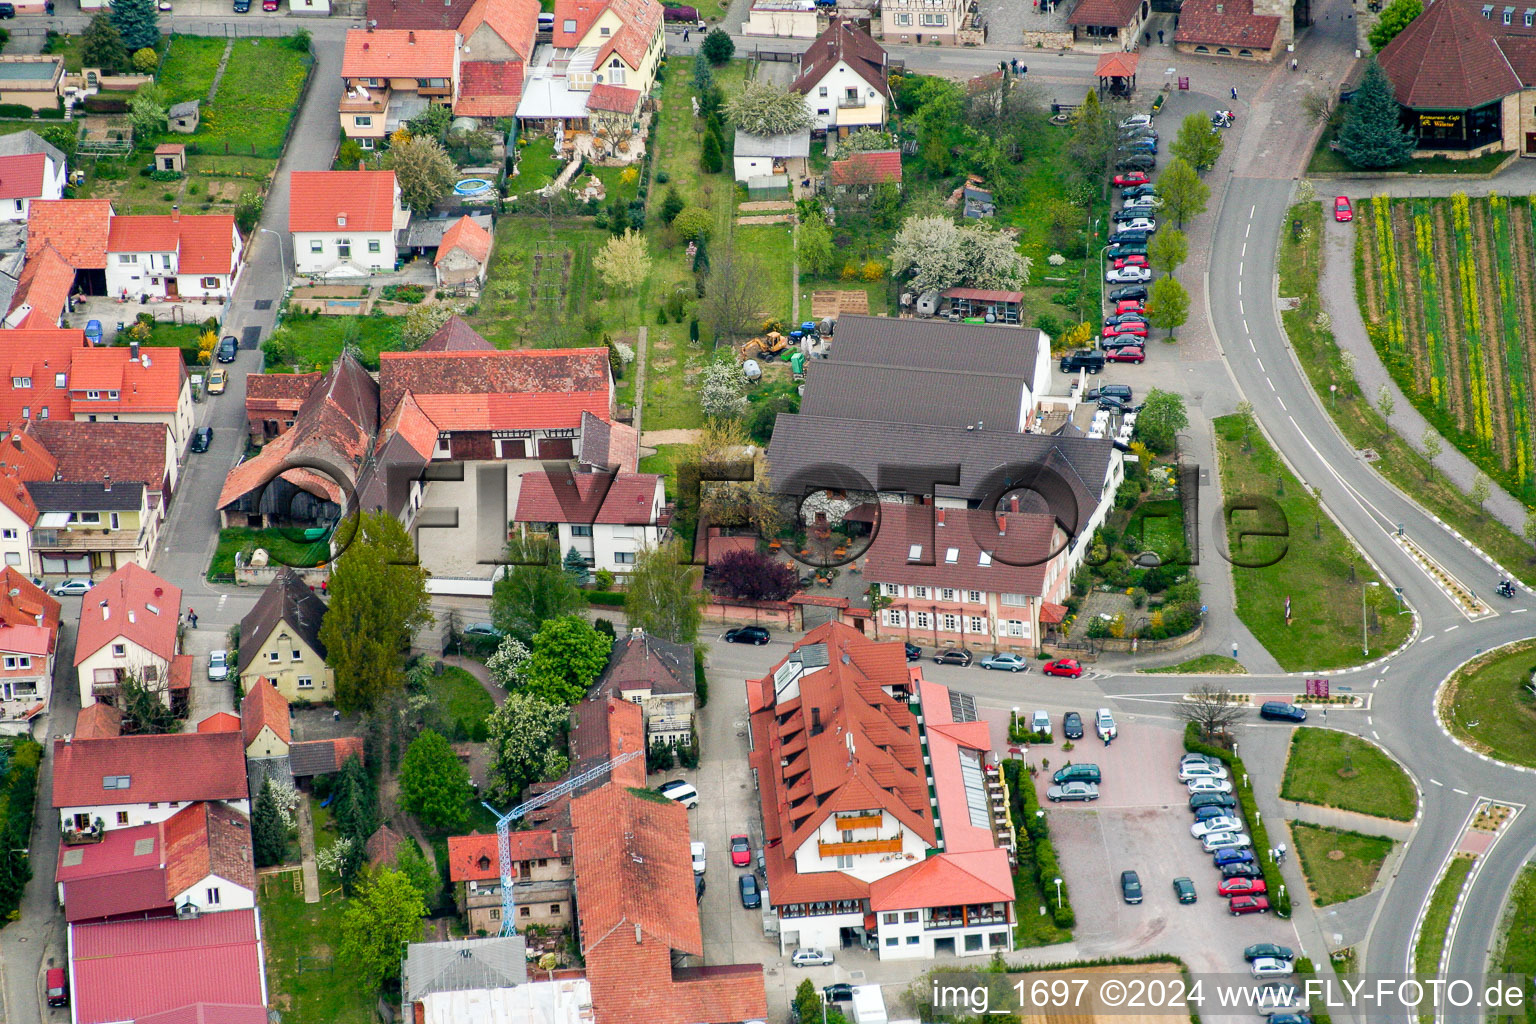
(504, 822)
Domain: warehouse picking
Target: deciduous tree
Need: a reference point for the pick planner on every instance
(934, 253)
(813, 247)
(567, 654)
(1168, 249)
(1212, 708)
(1161, 418)
(1481, 489)
(138, 22)
(663, 599)
(534, 588)
(865, 140)
(506, 665)
(378, 599)
(1431, 445)
(723, 391)
(379, 921)
(431, 123)
(145, 710)
(423, 320)
(624, 262)
(1184, 195)
(763, 108)
(1168, 306)
(694, 223)
(753, 576)
(145, 61)
(735, 293)
(146, 114)
(434, 784)
(526, 744)
(412, 863)
(1373, 135)
(1394, 18)
(423, 169)
(1196, 144)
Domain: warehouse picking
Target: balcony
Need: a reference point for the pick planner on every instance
(859, 847)
(86, 539)
(851, 103)
(857, 821)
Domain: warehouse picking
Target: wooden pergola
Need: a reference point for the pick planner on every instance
(1117, 73)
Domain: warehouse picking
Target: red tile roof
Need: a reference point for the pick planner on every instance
(128, 452)
(614, 98)
(456, 336)
(22, 451)
(21, 176)
(278, 392)
(41, 354)
(1104, 13)
(397, 53)
(264, 706)
(947, 880)
(1229, 23)
(514, 21)
(98, 721)
(15, 496)
(23, 602)
(473, 858)
(868, 168)
(183, 766)
(207, 839)
(604, 729)
(846, 42)
(130, 970)
(465, 234)
(1117, 65)
(219, 721)
(410, 423)
(132, 603)
(526, 389)
(566, 497)
(418, 14)
(152, 384)
(1018, 559)
(583, 12)
(78, 228)
(43, 288)
(489, 88)
(366, 199)
(639, 24)
(1452, 58)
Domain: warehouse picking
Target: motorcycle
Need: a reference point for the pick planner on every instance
(1222, 119)
(1506, 588)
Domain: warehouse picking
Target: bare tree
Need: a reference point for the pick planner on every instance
(735, 293)
(1212, 708)
(1317, 105)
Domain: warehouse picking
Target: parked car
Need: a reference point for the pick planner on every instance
(698, 888)
(269, 5)
(1138, 144)
(841, 992)
(1125, 216)
(810, 958)
(1137, 191)
(1209, 785)
(1225, 841)
(1129, 329)
(1128, 275)
(1067, 667)
(1248, 905)
(1195, 770)
(7, 12)
(1280, 999)
(1129, 234)
(746, 635)
(202, 438)
(1118, 250)
(1040, 721)
(1130, 178)
(1342, 212)
(751, 897)
(1078, 773)
(741, 851)
(1200, 800)
(1104, 725)
(1005, 663)
(218, 666)
(1121, 262)
(1289, 1018)
(954, 656)
(1082, 359)
(1137, 133)
(1130, 306)
(1130, 886)
(1184, 890)
(1143, 203)
(1135, 292)
(1138, 223)
(1240, 887)
(228, 346)
(681, 792)
(1072, 791)
(1282, 711)
(57, 984)
(1072, 726)
(700, 861)
(1136, 162)
(1207, 813)
(1244, 870)
(1215, 826)
(914, 652)
(1263, 949)
(71, 588)
(1127, 354)
(1241, 855)
(1136, 119)
(1198, 759)
(242, 6)
(93, 332)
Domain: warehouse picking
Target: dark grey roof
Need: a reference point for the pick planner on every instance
(428, 232)
(312, 757)
(463, 965)
(65, 496)
(811, 452)
(636, 656)
(455, 335)
(289, 600)
(924, 371)
(184, 108)
(22, 143)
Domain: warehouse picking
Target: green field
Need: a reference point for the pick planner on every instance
(1517, 944)
(1488, 706)
(256, 99)
(458, 697)
(1339, 865)
(1335, 769)
(1311, 562)
(305, 342)
(188, 67)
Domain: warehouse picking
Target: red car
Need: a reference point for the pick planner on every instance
(741, 851)
(1063, 667)
(1128, 354)
(1240, 887)
(1130, 306)
(1132, 330)
(1129, 178)
(1122, 262)
(269, 5)
(1248, 905)
(1341, 210)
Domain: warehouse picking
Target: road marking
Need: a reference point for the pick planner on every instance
(1245, 331)
(1375, 735)
(1239, 268)
(1449, 628)
(1427, 639)
(1239, 287)
(1258, 362)
(1517, 611)
(1240, 310)
(1270, 383)
(1252, 349)
(1369, 720)
(1245, 250)
(1437, 782)
(1282, 404)
(1251, 209)
(1248, 230)
(1461, 791)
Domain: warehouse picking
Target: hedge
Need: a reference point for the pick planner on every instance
(1034, 840)
(1261, 847)
(609, 598)
(18, 797)
(15, 110)
(99, 104)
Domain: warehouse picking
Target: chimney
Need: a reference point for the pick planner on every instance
(175, 214)
(1013, 503)
(106, 482)
(938, 516)
(410, 37)
(341, 220)
(1002, 525)
(130, 616)
(133, 351)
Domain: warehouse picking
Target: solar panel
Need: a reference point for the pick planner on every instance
(814, 656)
(962, 707)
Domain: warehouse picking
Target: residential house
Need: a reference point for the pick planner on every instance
(344, 223)
(456, 336)
(54, 166)
(782, 19)
(25, 177)
(617, 43)
(309, 758)
(128, 625)
(120, 782)
(209, 865)
(925, 21)
(29, 633)
(638, 917)
(280, 642)
(486, 980)
(418, 14)
(35, 81)
(542, 886)
(657, 675)
(272, 400)
(265, 721)
(606, 518)
(219, 721)
(83, 528)
(862, 173)
(763, 156)
(424, 236)
(1108, 24)
(463, 257)
(141, 453)
(43, 293)
(388, 77)
(169, 970)
(130, 385)
(77, 229)
(599, 731)
(38, 384)
(1252, 31)
(496, 47)
(878, 820)
(844, 79)
(186, 256)
(18, 515)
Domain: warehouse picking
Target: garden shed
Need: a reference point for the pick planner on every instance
(184, 117)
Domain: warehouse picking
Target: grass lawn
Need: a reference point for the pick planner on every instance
(72, 49)
(1437, 916)
(1517, 944)
(287, 547)
(1488, 706)
(1339, 865)
(1201, 665)
(304, 979)
(256, 99)
(188, 67)
(459, 697)
(665, 463)
(314, 342)
(1320, 760)
(1326, 161)
(1311, 563)
(1033, 928)
(773, 247)
(175, 335)
(536, 165)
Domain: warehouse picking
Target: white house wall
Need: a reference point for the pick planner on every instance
(138, 814)
(134, 659)
(868, 867)
(307, 261)
(231, 896)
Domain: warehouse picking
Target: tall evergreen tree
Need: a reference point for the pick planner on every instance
(267, 832)
(576, 568)
(102, 46)
(138, 21)
(1373, 134)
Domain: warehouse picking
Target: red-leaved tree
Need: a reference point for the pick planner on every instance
(753, 576)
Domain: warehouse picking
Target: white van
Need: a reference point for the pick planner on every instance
(680, 791)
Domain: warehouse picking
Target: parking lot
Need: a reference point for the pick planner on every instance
(1141, 821)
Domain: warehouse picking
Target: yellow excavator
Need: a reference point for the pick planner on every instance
(765, 348)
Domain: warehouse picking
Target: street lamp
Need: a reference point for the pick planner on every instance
(1058, 893)
(282, 256)
(1365, 642)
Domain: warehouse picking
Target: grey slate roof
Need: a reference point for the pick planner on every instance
(463, 965)
(184, 109)
(65, 496)
(666, 666)
(288, 600)
(22, 143)
(428, 232)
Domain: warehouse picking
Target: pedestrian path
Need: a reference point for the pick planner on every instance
(309, 871)
(1348, 821)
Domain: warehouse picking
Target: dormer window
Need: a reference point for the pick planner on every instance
(1509, 15)
(21, 382)
(568, 25)
(1487, 11)
(914, 553)
(92, 395)
(112, 395)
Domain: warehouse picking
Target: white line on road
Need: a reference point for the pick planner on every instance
(1282, 403)
(1248, 230)
(1461, 791)
(1369, 720)
(1270, 383)
(1427, 639)
(1240, 310)
(1251, 209)
(1245, 331)
(1375, 735)
(1251, 348)
(1239, 287)
(1517, 611)
(1239, 268)
(1245, 250)
(1437, 782)
(1449, 628)
(1257, 362)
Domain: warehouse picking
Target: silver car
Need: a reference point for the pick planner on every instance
(1072, 791)
(218, 666)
